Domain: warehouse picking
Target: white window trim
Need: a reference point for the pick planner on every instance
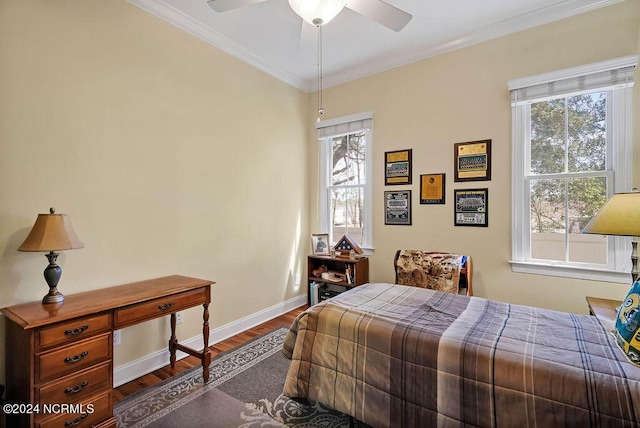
(324, 175)
(621, 138)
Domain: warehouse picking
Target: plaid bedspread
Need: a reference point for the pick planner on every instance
(397, 356)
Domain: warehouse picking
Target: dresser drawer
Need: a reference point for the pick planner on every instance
(84, 414)
(71, 358)
(76, 386)
(72, 331)
(158, 307)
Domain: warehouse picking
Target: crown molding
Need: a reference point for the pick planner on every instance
(384, 63)
(523, 22)
(177, 18)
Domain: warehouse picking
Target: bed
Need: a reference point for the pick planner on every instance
(392, 355)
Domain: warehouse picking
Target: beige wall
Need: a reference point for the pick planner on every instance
(463, 96)
(169, 155)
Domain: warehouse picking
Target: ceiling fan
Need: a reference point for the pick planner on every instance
(320, 12)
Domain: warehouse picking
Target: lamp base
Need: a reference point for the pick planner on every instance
(53, 296)
(52, 274)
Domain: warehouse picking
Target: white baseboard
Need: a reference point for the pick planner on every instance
(133, 370)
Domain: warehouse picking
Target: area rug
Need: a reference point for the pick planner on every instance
(244, 390)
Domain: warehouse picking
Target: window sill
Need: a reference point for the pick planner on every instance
(567, 271)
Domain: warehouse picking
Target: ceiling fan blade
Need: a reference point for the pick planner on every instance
(381, 12)
(225, 5)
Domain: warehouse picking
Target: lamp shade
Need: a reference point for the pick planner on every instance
(317, 12)
(51, 232)
(619, 216)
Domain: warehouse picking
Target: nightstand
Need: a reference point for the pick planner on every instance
(605, 310)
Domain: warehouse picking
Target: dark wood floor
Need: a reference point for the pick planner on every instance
(188, 362)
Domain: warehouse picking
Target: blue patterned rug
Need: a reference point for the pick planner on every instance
(244, 390)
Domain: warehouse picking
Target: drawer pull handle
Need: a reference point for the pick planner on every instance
(76, 331)
(69, 391)
(71, 360)
(72, 423)
(166, 306)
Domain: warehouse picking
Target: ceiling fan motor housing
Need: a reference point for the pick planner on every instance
(317, 12)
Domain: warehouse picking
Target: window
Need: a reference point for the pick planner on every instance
(571, 151)
(345, 178)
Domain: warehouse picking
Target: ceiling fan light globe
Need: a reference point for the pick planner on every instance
(320, 11)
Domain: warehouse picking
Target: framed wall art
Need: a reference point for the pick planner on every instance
(320, 244)
(432, 188)
(473, 161)
(397, 167)
(397, 207)
(471, 207)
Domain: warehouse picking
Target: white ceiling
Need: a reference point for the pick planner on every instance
(271, 37)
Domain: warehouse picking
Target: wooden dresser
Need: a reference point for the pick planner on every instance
(59, 365)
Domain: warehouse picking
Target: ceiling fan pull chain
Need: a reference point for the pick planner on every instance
(320, 108)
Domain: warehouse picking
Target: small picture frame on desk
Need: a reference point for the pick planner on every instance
(320, 244)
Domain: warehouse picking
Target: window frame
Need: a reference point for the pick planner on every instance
(619, 171)
(344, 126)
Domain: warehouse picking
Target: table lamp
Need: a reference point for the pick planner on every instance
(620, 216)
(52, 232)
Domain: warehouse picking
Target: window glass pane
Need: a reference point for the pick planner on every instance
(547, 137)
(552, 228)
(548, 219)
(586, 197)
(348, 154)
(347, 213)
(587, 144)
(582, 120)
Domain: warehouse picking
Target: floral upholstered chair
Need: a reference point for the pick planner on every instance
(451, 273)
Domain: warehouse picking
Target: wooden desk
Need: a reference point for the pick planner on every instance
(606, 310)
(59, 365)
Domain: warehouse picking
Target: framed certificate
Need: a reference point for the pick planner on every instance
(473, 161)
(397, 167)
(397, 207)
(471, 207)
(432, 189)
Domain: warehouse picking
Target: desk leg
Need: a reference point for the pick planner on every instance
(206, 352)
(204, 356)
(173, 341)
